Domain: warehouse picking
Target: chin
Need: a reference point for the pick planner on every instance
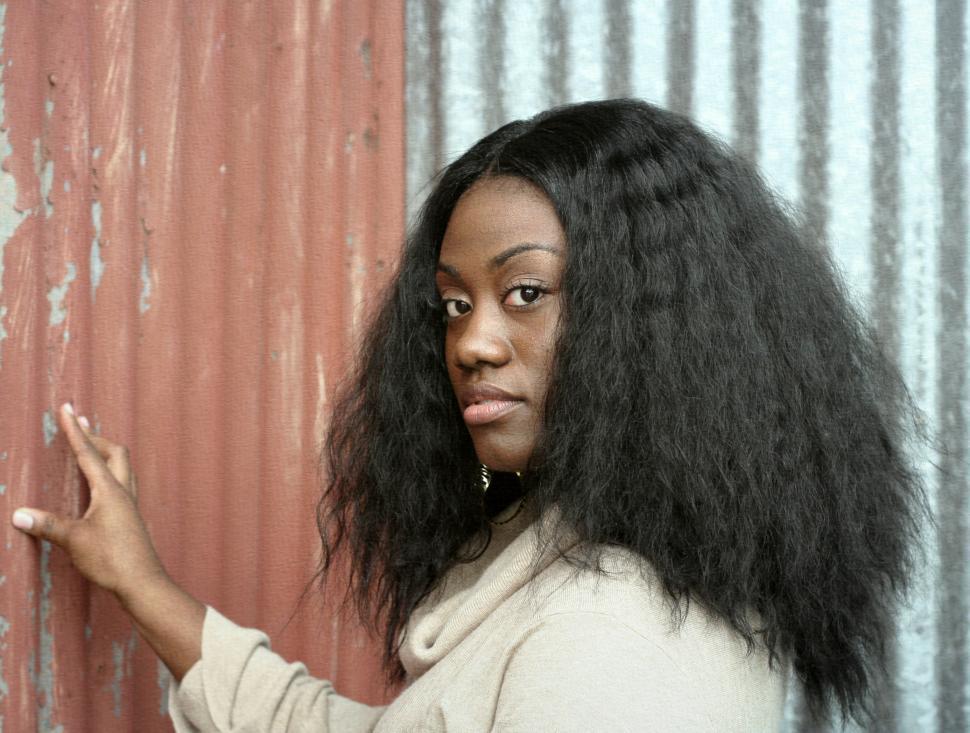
(502, 457)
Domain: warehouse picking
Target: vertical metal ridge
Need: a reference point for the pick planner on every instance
(435, 90)
(884, 246)
(884, 174)
(491, 62)
(557, 52)
(952, 343)
(680, 55)
(813, 143)
(746, 75)
(618, 52)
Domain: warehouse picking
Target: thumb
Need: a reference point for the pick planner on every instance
(42, 524)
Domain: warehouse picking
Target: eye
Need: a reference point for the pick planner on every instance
(453, 308)
(523, 295)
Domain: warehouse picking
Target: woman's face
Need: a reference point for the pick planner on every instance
(499, 275)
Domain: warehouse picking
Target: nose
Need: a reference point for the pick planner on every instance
(482, 340)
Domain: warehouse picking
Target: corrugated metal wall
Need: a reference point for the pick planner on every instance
(195, 199)
(195, 196)
(857, 111)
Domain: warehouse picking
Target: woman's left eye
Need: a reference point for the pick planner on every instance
(523, 295)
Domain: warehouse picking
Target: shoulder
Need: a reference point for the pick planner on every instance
(612, 639)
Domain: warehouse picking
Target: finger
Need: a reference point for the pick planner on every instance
(88, 457)
(116, 456)
(42, 524)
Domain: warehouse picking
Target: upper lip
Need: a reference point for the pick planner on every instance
(472, 393)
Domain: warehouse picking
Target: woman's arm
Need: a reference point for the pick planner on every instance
(111, 547)
(228, 677)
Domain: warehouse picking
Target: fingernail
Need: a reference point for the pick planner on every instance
(84, 422)
(69, 408)
(22, 520)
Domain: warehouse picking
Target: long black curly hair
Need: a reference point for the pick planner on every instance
(716, 404)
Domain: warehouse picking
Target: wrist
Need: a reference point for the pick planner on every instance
(133, 594)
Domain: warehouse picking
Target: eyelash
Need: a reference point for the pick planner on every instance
(519, 286)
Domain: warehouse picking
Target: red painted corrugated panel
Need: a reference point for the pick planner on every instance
(195, 200)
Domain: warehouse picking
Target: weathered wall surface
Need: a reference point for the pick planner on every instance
(194, 200)
(857, 112)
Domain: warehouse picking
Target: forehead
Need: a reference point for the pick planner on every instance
(499, 212)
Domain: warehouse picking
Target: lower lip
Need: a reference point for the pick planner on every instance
(485, 412)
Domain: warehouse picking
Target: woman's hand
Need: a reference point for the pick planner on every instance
(109, 545)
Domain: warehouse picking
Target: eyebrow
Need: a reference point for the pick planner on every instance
(502, 257)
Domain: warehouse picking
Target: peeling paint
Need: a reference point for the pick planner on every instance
(3, 489)
(50, 427)
(3, 456)
(10, 218)
(367, 57)
(96, 153)
(142, 157)
(57, 294)
(88, 632)
(46, 181)
(97, 264)
(121, 655)
(4, 687)
(146, 286)
(45, 175)
(43, 669)
(164, 678)
(67, 186)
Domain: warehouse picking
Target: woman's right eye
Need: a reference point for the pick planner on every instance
(454, 308)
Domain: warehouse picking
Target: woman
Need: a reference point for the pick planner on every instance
(690, 448)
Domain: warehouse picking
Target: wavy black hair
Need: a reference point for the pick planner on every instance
(716, 405)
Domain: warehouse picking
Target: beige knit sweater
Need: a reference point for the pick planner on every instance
(491, 651)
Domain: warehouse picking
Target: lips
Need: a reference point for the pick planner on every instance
(484, 403)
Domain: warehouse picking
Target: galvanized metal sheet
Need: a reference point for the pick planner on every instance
(857, 113)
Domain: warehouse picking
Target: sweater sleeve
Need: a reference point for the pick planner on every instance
(583, 671)
(240, 685)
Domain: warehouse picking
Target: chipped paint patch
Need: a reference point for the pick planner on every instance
(45, 175)
(43, 668)
(57, 294)
(50, 427)
(367, 57)
(4, 628)
(88, 632)
(146, 286)
(46, 182)
(3, 489)
(121, 655)
(10, 218)
(164, 678)
(142, 158)
(96, 263)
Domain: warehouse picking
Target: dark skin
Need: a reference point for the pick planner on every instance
(499, 274)
(501, 261)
